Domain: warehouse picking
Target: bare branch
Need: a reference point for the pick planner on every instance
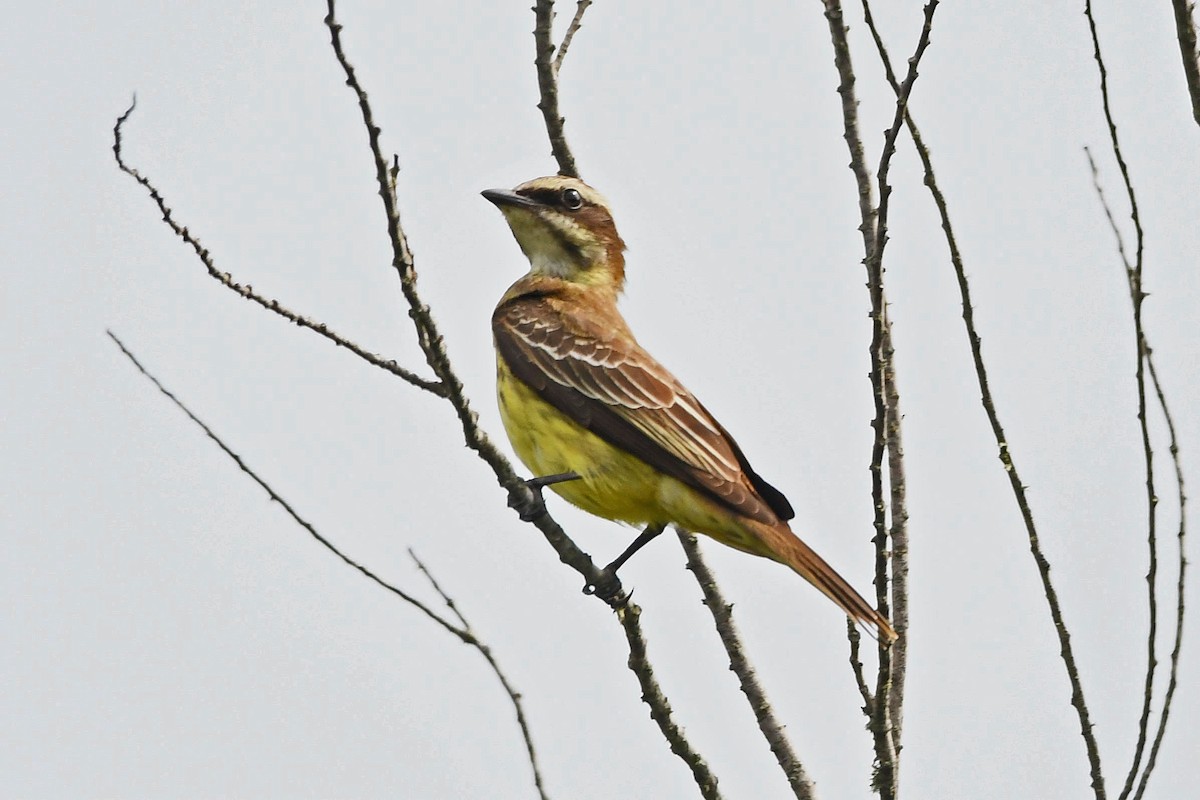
(1172, 681)
(888, 431)
(884, 780)
(889, 144)
(572, 29)
(464, 633)
(437, 587)
(886, 423)
(1136, 295)
(1112, 222)
(852, 633)
(1112, 132)
(722, 613)
(660, 708)
(548, 86)
(858, 161)
(897, 533)
(1185, 31)
(226, 280)
(1043, 564)
(1180, 583)
(1077, 696)
(486, 652)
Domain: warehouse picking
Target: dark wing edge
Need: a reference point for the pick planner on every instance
(773, 497)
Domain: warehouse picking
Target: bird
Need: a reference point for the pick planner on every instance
(594, 416)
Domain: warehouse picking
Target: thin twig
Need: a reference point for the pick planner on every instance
(887, 399)
(884, 779)
(722, 613)
(1185, 31)
(858, 161)
(1180, 585)
(1014, 478)
(437, 587)
(629, 615)
(247, 291)
(1137, 296)
(572, 29)
(889, 143)
(547, 76)
(1078, 700)
(660, 708)
(520, 495)
(486, 652)
(1112, 222)
(867, 211)
(899, 529)
(463, 633)
(855, 637)
(873, 226)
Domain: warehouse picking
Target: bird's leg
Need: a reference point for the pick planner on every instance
(531, 506)
(607, 585)
(643, 539)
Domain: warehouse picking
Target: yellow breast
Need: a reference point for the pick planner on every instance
(615, 485)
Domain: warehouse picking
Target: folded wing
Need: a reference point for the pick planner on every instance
(616, 390)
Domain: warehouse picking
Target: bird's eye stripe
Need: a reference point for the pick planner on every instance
(549, 197)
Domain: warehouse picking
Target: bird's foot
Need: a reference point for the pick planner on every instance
(607, 587)
(531, 505)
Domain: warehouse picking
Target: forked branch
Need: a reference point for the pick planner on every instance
(1181, 536)
(462, 632)
(1077, 696)
(245, 290)
(547, 75)
(569, 36)
(1137, 295)
(891, 545)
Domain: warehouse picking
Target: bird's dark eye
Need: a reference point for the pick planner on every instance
(572, 199)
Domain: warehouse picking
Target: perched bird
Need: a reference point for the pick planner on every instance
(596, 417)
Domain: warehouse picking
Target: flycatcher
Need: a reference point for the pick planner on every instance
(618, 435)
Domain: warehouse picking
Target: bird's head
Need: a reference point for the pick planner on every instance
(566, 230)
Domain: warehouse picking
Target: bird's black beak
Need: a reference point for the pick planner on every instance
(504, 197)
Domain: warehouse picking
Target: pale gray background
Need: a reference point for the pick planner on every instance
(167, 632)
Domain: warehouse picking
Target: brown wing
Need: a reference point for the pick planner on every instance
(616, 390)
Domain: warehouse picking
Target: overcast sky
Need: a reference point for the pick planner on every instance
(169, 632)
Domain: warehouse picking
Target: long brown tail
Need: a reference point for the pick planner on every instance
(788, 549)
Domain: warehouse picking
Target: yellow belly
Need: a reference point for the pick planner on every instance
(614, 484)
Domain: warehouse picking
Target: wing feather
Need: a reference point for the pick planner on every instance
(619, 392)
